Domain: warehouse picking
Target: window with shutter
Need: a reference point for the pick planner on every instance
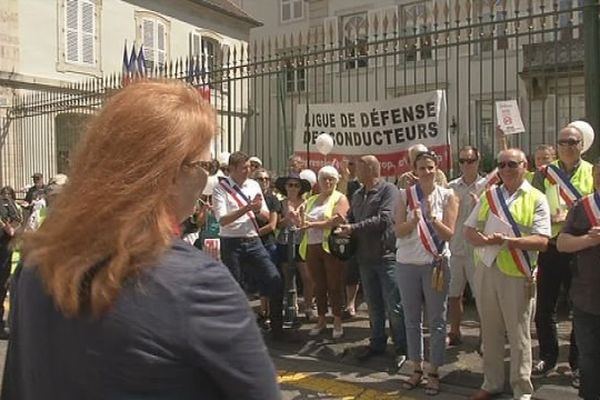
(292, 10)
(80, 32)
(153, 34)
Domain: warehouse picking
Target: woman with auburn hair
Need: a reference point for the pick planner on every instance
(111, 303)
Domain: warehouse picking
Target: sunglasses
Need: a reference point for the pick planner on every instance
(467, 160)
(292, 185)
(568, 142)
(509, 164)
(262, 179)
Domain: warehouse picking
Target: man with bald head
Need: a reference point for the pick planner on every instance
(372, 227)
(505, 288)
(567, 178)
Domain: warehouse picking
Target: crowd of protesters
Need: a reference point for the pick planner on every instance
(403, 274)
(515, 236)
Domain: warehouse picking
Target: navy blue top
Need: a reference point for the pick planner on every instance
(181, 330)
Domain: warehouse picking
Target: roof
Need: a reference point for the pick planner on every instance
(227, 7)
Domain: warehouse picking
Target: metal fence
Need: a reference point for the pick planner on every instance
(478, 51)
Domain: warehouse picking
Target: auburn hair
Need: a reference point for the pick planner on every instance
(116, 216)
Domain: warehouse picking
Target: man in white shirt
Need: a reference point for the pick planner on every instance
(468, 187)
(237, 201)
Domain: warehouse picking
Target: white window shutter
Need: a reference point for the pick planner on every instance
(161, 43)
(195, 44)
(332, 41)
(72, 31)
(148, 41)
(88, 20)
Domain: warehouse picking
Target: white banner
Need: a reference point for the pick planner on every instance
(385, 129)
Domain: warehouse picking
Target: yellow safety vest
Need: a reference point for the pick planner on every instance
(583, 181)
(329, 210)
(529, 176)
(522, 209)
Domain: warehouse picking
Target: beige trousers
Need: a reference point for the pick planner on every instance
(504, 305)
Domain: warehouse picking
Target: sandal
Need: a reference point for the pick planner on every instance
(433, 384)
(414, 380)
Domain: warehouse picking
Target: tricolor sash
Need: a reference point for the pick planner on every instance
(591, 206)
(235, 194)
(499, 207)
(425, 229)
(567, 190)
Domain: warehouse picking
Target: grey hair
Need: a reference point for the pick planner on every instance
(328, 171)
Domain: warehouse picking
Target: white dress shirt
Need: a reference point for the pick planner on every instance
(224, 204)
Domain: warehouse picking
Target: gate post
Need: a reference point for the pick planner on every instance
(591, 38)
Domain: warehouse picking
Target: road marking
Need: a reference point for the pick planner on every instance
(336, 388)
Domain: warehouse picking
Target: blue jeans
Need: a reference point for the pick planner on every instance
(258, 266)
(416, 290)
(587, 327)
(383, 298)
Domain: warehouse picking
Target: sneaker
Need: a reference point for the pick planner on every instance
(542, 368)
(399, 361)
(575, 379)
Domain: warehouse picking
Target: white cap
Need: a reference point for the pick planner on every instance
(256, 160)
(223, 158)
(587, 133)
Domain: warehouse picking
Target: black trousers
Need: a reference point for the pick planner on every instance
(554, 272)
(5, 265)
(259, 268)
(588, 334)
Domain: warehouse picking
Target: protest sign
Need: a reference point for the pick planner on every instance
(509, 117)
(385, 129)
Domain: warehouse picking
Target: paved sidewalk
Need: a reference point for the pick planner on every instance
(463, 369)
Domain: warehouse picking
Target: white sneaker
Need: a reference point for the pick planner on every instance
(316, 331)
(337, 333)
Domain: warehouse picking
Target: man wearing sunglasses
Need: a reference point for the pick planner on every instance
(469, 185)
(567, 178)
(505, 289)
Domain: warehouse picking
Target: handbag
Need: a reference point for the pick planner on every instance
(341, 247)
